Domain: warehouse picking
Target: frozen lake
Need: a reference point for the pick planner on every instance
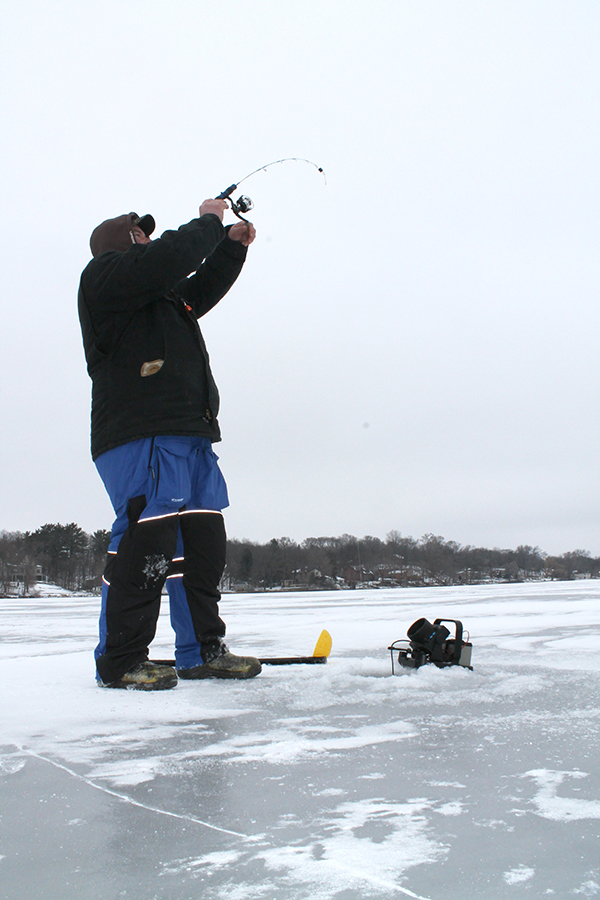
(336, 782)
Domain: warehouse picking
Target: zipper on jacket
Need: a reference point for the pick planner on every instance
(150, 460)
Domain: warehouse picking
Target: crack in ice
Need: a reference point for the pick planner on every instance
(125, 799)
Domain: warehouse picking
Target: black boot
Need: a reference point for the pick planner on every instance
(220, 663)
(146, 676)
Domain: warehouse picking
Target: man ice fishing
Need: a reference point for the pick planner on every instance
(154, 420)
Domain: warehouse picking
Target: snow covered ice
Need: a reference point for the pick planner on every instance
(333, 782)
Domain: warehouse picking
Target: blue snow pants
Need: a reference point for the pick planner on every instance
(167, 493)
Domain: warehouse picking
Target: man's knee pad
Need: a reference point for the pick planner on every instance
(204, 545)
(145, 550)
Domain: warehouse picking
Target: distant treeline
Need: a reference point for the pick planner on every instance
(59, 554)
(65, 555)
(347, 561)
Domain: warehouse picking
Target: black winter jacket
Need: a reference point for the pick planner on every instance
(144, 350)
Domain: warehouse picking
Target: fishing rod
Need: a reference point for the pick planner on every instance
(244, 204)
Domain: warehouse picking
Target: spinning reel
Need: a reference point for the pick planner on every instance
(243, 204)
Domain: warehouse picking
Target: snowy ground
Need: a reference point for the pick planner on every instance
(336, 781)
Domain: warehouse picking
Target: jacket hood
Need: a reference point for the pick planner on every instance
(115, 234)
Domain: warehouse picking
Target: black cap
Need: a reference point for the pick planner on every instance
(146, 223)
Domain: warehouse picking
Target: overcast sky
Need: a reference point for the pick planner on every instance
(411, 346)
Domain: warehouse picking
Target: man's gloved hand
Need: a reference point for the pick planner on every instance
(244, 232)
(216, 207)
